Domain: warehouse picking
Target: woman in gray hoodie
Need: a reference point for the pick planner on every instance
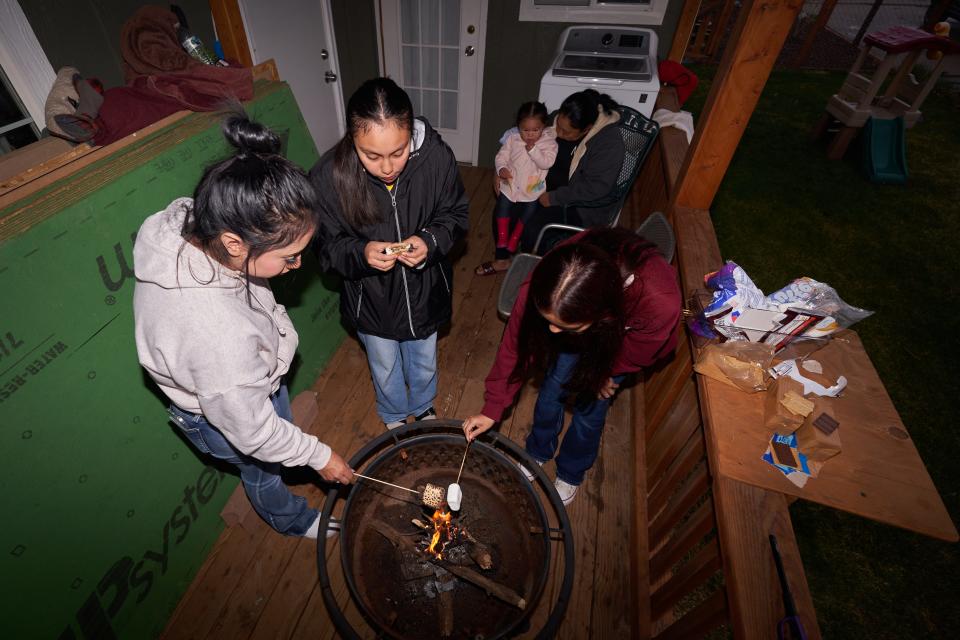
(209, 331)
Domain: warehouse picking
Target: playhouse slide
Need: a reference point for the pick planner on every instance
(884, 151)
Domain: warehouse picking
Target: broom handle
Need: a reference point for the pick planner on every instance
(396, 486)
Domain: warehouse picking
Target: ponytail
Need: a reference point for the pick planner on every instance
(376, 102)
(605, 101)
(583, 107)
(249, 137)
(256, 194)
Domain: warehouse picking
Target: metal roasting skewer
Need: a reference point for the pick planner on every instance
(360, 475)
(432, 495)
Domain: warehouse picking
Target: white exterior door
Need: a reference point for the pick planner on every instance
(298, 35)
(434, 50)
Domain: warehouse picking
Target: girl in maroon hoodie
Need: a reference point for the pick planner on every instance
(598, 307)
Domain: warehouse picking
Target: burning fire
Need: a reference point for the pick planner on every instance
(443, 532)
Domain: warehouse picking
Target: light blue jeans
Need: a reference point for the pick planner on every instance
(270, 497)
(404, 375)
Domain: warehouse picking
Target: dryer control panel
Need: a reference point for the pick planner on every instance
(602, 39)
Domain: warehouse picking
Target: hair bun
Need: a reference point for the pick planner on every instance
(249, 136)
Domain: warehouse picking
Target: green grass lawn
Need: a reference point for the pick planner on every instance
(784, 211)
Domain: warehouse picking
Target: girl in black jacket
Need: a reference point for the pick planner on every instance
(391, 207)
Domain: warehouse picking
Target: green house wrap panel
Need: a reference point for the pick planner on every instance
(107, 512)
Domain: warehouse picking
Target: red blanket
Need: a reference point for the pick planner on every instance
(154, 61)
(129, 109)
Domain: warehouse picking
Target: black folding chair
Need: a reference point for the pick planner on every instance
(638, 134)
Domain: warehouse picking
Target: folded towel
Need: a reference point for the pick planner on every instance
(682, 120)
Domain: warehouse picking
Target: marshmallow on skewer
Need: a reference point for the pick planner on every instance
(454, 496)
(434, 496)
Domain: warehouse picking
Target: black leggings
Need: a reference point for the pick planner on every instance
(509, 220)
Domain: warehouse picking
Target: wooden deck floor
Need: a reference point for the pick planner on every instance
(257, 584)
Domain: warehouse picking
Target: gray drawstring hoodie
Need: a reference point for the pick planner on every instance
(210, 348)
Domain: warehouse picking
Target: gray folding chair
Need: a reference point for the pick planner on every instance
(657, 230)
(520, 268)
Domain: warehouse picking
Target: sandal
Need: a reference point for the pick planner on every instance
(487, 269)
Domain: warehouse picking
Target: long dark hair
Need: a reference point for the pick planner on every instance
(533, 110)
(582, 108)
(256, 193)
(579, 283)
(375, 102)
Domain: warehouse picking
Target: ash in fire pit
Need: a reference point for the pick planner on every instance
(420, 572)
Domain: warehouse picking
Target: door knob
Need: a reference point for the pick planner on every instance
(329, 76)
(324, 54)
(469, 51)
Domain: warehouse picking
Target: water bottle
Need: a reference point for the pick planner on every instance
(190, 42)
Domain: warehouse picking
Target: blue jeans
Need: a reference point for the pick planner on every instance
(582, 441)
(270, 497)
(404, 375)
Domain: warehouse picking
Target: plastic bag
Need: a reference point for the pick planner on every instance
(807, 293)
(804, 311)
(743, 365)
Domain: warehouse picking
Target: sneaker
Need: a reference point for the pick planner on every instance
(394, 425)
(566, 490)
(314, 530)
(429, 414)
(526, 472)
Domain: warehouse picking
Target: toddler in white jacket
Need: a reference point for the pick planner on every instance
(521, 165)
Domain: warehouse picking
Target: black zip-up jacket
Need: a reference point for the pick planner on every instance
(595, 177)
(428, 200)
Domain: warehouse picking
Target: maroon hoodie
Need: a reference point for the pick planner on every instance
(652, 304)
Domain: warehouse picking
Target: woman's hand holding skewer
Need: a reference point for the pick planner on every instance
(337, 470)
(474, 426)
(608, 389)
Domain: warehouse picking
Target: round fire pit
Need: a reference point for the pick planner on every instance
(488, 571)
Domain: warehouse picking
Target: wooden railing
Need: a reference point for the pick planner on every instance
(690, 574)
(686, 599)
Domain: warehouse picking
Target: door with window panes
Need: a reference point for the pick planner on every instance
(434, 50)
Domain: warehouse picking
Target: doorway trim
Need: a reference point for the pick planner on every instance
(334, 61)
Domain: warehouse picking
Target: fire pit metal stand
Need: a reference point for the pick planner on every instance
(417, 433)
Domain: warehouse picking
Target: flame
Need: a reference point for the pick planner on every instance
(442, 532)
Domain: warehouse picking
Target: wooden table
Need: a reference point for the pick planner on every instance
(878, 474)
